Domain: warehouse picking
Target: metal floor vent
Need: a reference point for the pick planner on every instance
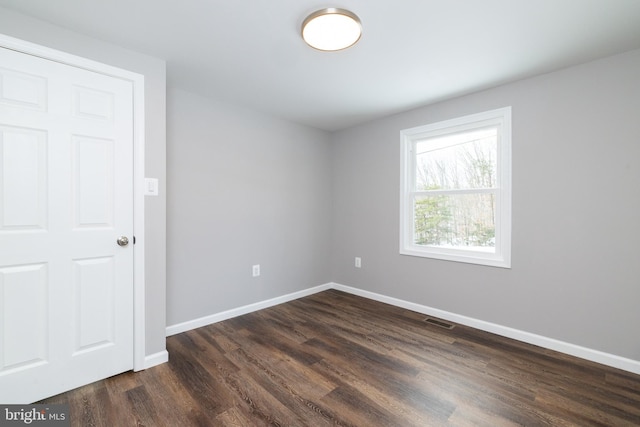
(439, 323)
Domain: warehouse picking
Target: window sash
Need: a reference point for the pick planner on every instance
(440, 145)
(489, 190)
(495, 213)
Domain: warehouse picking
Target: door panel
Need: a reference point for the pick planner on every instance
(92, 104)
(21, 89)
(94, 305)
(23, 159)
(66, 195)
(93, 181)
(24, 293)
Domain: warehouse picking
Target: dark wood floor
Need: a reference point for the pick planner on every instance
(338, 359)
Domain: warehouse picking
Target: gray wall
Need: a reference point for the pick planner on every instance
(36, 31)
(244, 189)
(575, 272)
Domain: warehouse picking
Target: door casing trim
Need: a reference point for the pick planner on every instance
(137, 81)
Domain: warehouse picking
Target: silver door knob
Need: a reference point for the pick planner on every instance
(123, 241)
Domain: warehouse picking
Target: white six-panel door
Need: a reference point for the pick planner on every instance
(66, 196)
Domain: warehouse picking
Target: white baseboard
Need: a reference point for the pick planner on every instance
(597, 356)
(156, 359)
(218, 317)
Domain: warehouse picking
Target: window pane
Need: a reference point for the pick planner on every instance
(464, 221)
(457, 161)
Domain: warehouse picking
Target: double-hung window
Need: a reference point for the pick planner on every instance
(456, 189)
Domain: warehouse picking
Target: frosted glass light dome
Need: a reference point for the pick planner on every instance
(331, 29)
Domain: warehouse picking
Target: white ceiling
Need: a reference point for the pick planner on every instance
(412, 52)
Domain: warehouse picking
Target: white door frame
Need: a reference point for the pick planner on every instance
(138, 172)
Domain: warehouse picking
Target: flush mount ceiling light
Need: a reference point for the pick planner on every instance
(331, 29)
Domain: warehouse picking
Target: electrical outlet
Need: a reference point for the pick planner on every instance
(256, 270)
(358, 262)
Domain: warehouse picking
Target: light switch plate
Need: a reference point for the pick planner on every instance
(150, 186)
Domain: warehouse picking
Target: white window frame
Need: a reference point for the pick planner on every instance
(408, 138)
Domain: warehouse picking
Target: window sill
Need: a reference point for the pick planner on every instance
(458, 255)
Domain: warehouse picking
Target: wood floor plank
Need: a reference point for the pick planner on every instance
(169, 392)
(337, 359)
(234, 417)
(304, 407)
(393, 403)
